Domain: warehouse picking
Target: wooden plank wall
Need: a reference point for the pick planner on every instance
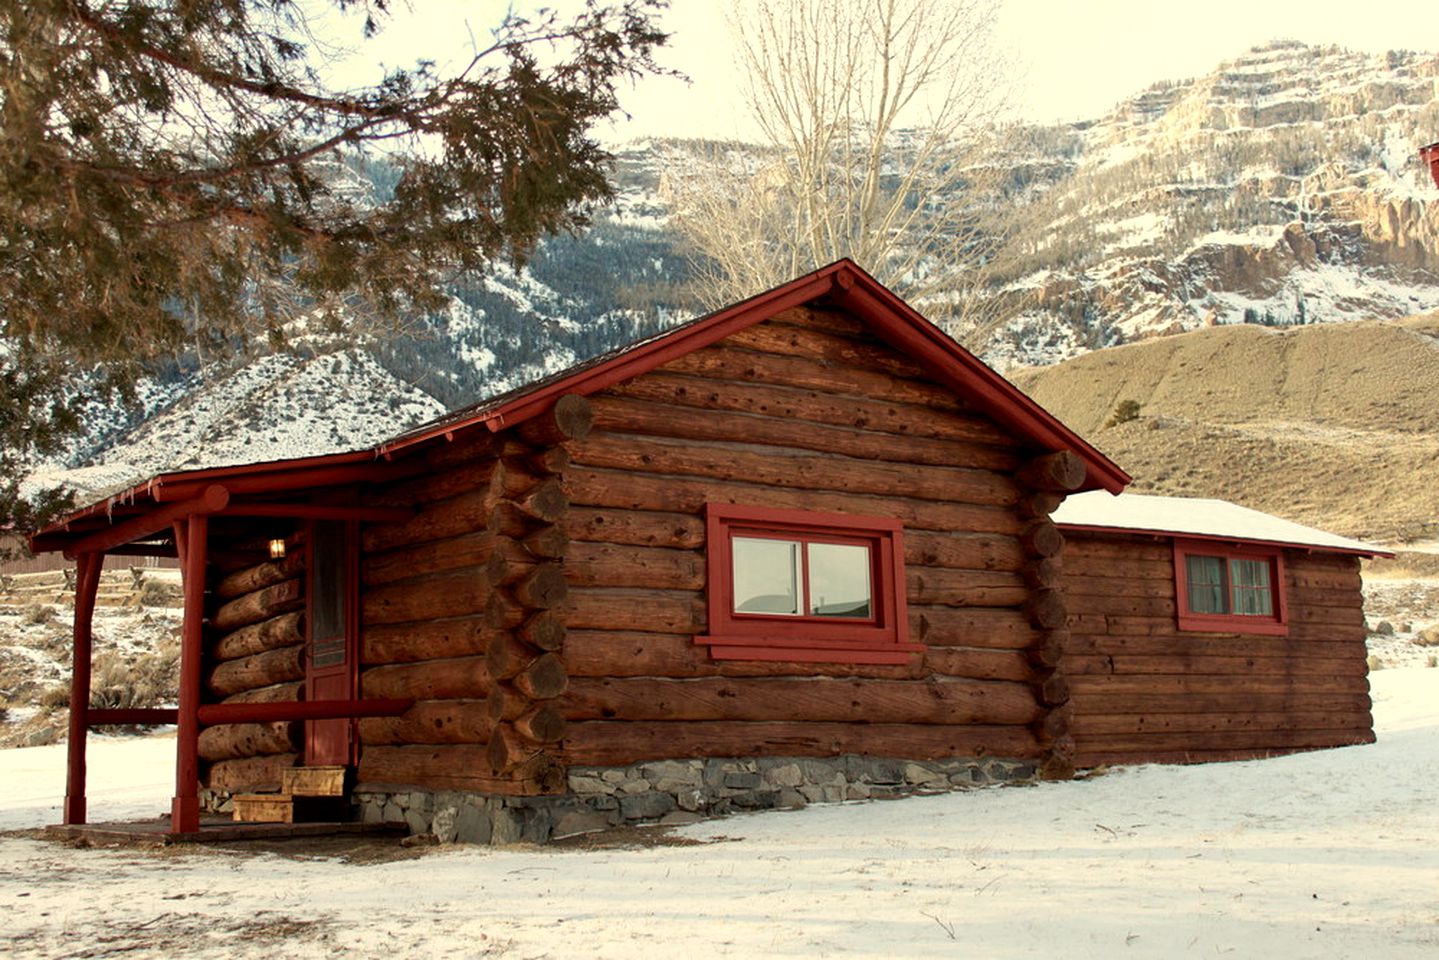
(806, 411)
(1144, 691)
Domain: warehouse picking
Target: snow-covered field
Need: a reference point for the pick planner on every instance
(1327, 854)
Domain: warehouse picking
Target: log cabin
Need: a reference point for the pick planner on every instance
(801, 548)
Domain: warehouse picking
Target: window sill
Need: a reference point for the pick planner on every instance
(802, 650)
(1231, 623)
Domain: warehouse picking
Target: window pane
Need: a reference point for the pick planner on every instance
(327, 581)
(839, 580)
(1205, 579)
(1249, 581)
(765, 578)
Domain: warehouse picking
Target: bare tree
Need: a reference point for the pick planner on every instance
(879, 130)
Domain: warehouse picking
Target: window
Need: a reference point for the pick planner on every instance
(811, 587)
(1229, 589)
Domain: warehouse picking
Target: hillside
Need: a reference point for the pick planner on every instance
(1332, 425)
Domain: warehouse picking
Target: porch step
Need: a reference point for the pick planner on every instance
(263, 808)
(313, 781)
(305, 793)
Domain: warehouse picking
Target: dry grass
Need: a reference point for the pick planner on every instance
(1328, 425)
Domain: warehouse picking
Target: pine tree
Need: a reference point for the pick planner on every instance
(182, 171)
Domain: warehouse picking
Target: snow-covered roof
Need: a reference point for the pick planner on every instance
(1185, 516)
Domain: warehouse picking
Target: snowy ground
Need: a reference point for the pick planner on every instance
(1327, 854)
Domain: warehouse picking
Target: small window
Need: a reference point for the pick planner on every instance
(810, 587)
(1238, 589)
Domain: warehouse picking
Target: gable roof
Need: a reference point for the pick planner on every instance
(842, 284)
(1201, 519)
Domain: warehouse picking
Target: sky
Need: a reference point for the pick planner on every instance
(1072, 59)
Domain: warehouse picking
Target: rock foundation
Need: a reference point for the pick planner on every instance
(674, 792)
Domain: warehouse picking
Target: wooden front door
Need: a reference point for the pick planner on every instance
(330, 624)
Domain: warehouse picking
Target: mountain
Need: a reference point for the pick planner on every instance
(1282, 189)
(1331, 425)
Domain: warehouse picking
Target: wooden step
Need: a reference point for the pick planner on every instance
(313, 781)
(263, 808)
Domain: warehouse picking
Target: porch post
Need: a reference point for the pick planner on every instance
(87, 585)
(191, 536)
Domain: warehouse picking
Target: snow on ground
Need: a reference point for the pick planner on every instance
(1325, 854)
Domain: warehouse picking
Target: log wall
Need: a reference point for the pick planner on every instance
(254, 652)
(1142, 691)
(806, 411)
(457, 613)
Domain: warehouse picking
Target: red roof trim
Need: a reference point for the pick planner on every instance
(1213, 538)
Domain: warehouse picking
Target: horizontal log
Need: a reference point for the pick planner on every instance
(570, 418)
(464, 447)
(1052, 689)
(438, 520)
(969, 663)
(1057, 724)
(277, 693)
(809, 471)
(1005, 629)
(1100, 702)
(1104, 685)
(480, 552)
(1116, 569)
(451, 594)
(542, 723)
(1041, 573)
(1179, 645)
(812, 405)
(462, 767)
(262, 575)
(626, 415)
(1224, 740)
(963, 551)
(627, 653)
(632, 491)
(545, 630)
(250, 774)
(1199, 664)
(299, 709)
(965, 588)
(726, 362)
(1104, 725)
(260, 670)
(426, 640)
(618, 565)
(286, 630)
(1158, 607)
(506, 656)
(1060, 472)
(473, 476)
(542, 588)
(431, 721)
(262, 604)
(544, 679)
(1038, 505)
(818, 699)
(836, 350)
(1094, 758)
(1049, 648)
(1041, 538)
(460, 678)
(659, 611)
(1045, 609)
(614, 743)
(1080, 585)
(634, 527)
(232, 741)
(508, 748)
(1106, 545)
(1115, 625)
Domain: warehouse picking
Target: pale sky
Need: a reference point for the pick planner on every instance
(1073, 59)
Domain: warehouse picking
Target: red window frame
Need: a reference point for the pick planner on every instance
(1275, 624)
(882, 638)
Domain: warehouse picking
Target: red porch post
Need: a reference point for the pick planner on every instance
(190, 537)
(87, 585)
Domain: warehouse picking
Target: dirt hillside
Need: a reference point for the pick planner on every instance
(1333, 425)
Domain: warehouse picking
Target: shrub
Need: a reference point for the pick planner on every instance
(159, 593)
(56, 697)
(37, 613)
(1124, 411)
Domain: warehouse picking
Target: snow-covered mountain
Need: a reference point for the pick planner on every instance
(1282, 188)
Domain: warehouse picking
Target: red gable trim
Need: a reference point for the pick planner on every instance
(848, 286)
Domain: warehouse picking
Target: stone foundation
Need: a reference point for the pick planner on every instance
(675, 792)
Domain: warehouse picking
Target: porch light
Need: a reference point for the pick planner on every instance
(277, 549)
